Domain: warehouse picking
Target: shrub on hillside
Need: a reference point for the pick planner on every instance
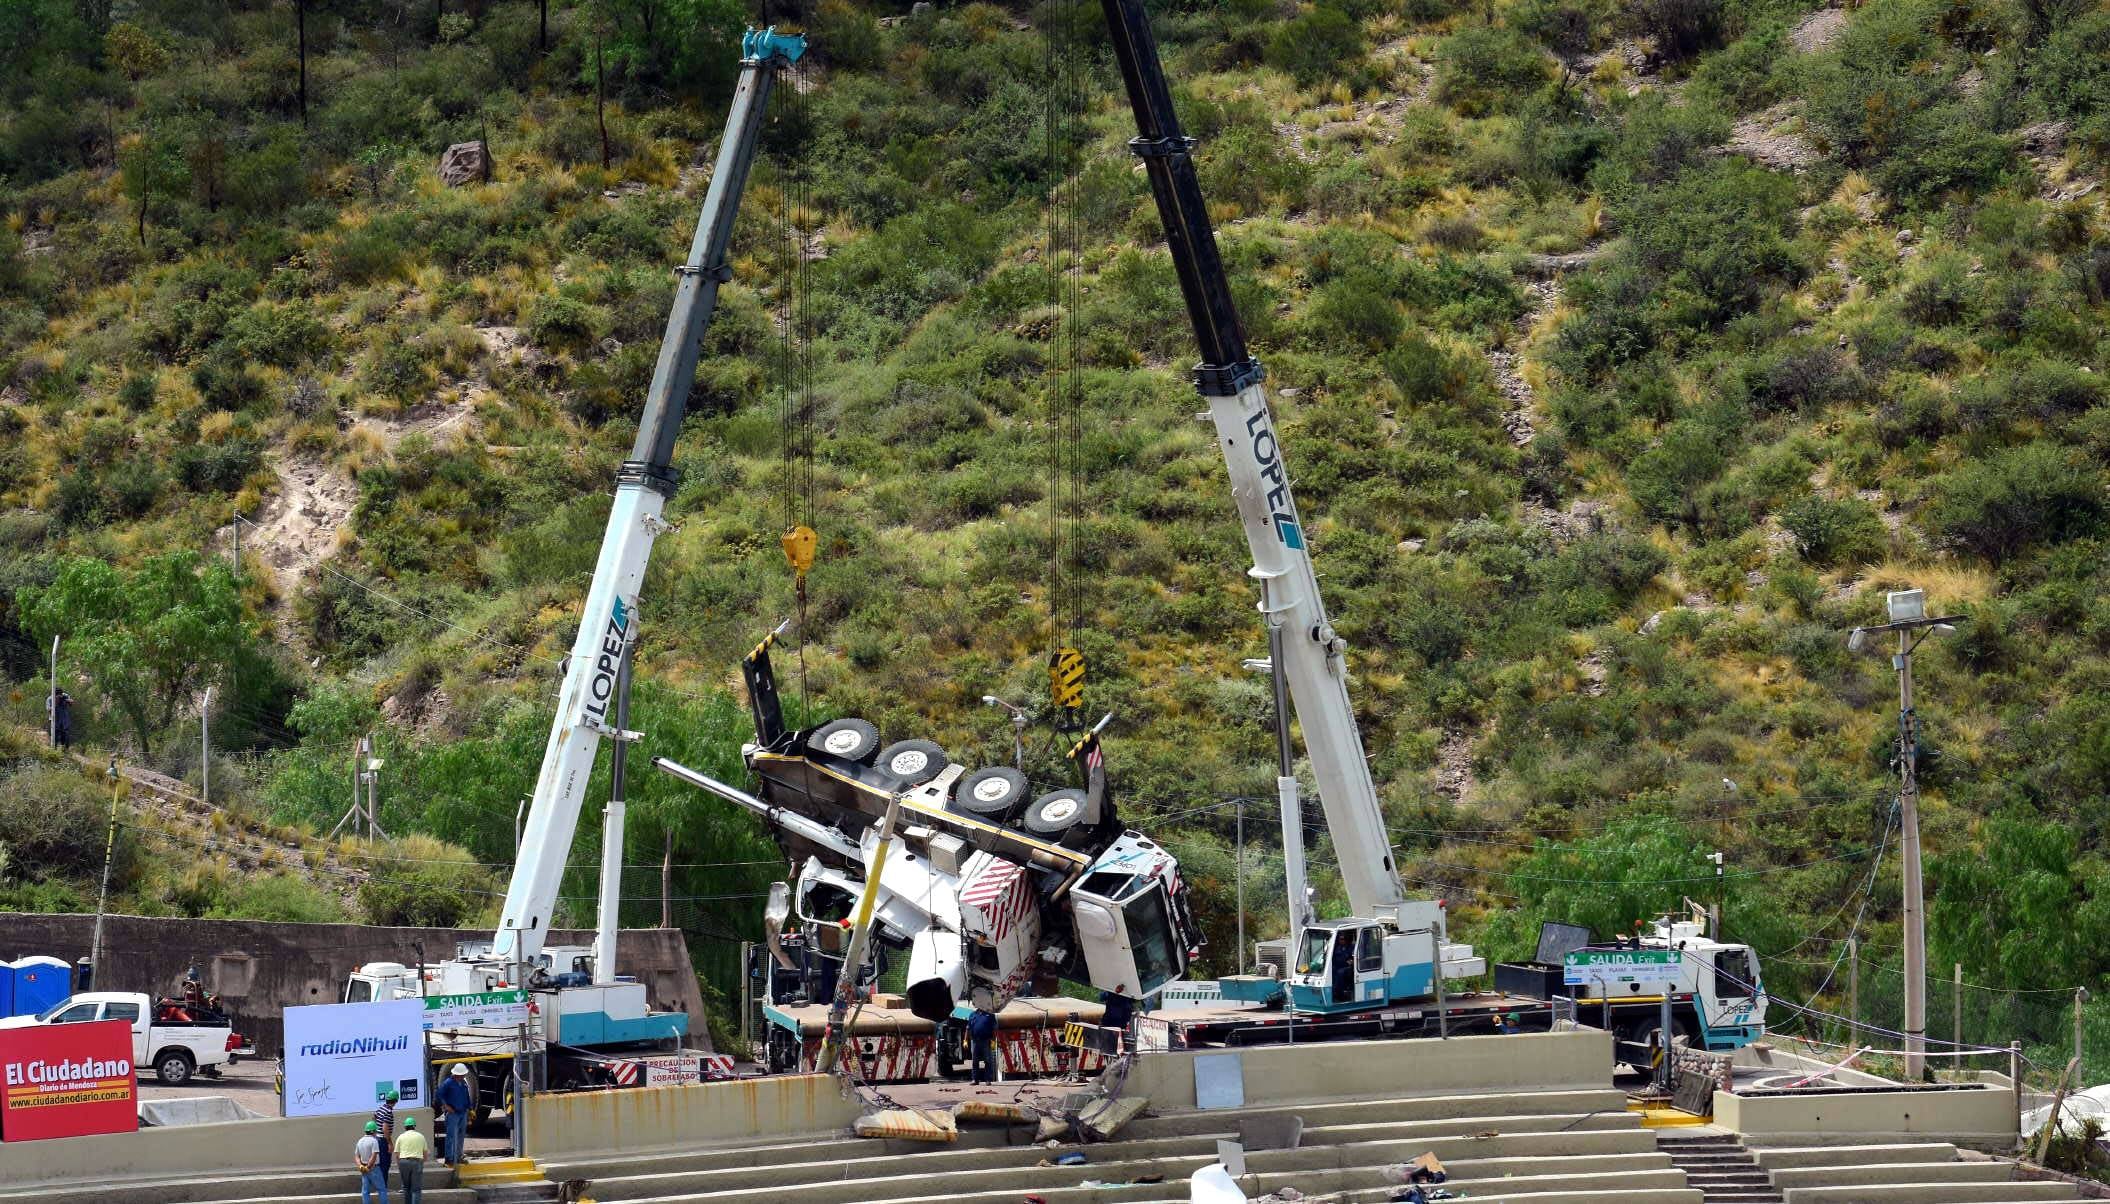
(1488, 69)
(53, 821)
(2001, 506)
(1829, 532)
(1318, 45)
(426, 883)
(1679, 28)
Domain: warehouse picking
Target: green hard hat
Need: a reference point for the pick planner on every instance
(410, 1122)
(393, 1095)
(371, 1127)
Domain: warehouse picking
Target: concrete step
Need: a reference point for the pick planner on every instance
(301, 1187)
(1701, 1161)
(1878, 1173)
(1174, 1191)
(1662, 1195)
(1932, 1193)
(619, 1179)
(1501, 1111)
(1493, 1160)
(1780, 1157)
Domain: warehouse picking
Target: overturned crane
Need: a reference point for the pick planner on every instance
(983, 889)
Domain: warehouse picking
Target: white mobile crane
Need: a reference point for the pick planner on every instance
(584, 1010)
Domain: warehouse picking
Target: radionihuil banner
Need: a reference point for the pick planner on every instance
(341, 1057)
(67, 1080)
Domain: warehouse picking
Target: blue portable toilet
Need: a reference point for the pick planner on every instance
(38, 983)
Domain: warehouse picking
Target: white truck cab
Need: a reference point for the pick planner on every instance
(174, 1051)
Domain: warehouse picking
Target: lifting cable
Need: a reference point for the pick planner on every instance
(1064, 120)
(795, 415)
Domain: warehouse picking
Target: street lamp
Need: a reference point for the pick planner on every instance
(1018, 728)
(1908, 617)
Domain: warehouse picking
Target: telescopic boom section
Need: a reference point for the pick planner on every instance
(1313, 661)
(643, 484)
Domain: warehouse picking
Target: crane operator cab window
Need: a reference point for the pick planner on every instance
(1145, 919)
(1733, 974)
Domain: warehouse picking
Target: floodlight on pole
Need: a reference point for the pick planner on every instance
(1908, 617)
(1019, 719)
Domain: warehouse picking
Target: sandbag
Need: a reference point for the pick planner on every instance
(911, 1124)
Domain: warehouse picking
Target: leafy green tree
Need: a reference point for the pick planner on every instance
(1636, 869)
(153, 168)
(149, 638)
(2021, 903)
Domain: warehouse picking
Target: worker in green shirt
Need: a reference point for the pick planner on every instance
(410, 1161)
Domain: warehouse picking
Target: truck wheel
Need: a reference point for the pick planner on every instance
(991, 794)
(850, 739)
(173, 1067)
(1056, 813)
(914, 761)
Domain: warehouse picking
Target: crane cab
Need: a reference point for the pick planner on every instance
(1131, 918)
(1345, 965)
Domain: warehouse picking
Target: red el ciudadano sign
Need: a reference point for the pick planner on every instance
(67, 1080)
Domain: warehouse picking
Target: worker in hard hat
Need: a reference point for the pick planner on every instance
(385, 1128)
(366, 1155)
(410, 1161)
(457, 1096)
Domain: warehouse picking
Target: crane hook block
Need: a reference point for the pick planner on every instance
(799, 543)
(1066, 678)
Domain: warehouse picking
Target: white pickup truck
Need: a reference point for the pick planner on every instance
(174, 1051)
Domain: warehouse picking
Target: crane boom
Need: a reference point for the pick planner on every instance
(1313, 657)
(609, 622)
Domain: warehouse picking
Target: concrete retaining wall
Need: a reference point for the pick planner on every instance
(601, 1122)
(1346, 1070)
(190, 1150)
(1981, 1118)
(262, 969)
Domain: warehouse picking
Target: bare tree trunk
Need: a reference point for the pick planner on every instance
(542, 28)
(300, 11)
(600, 97)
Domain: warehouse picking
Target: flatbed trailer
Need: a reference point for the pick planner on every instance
(894, 1045)
(1633, 1021)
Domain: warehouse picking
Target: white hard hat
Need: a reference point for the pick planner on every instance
(460, 1071)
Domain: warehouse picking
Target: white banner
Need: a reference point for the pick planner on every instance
(340, 1057)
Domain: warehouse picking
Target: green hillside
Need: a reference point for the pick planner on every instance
(1626, 352)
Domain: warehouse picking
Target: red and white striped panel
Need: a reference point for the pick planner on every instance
(626, 1073)
(1036, 1052)
(717, 1066)
(1001, 893)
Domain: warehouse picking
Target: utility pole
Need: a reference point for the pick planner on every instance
(516, 1112)
(102, 900)
(2080, 996)
(205, 749)
(1909, 618)
(51, 704)
(1715, 916)
(1853, 991)
(1956, 1002)
(666, 882)
(1241, 886)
